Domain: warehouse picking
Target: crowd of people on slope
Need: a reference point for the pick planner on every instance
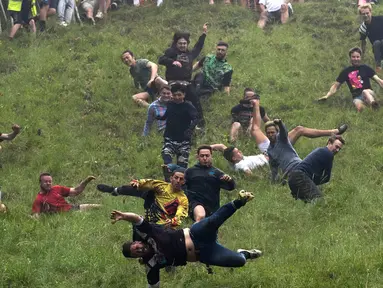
(195, 191)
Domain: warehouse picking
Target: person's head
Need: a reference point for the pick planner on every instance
(128, 58)
(249, 94)
(45, 180)
(135, 249)
(232, 154)
(178, 179)
(205, 155)
(335, 143)
(165, 94)
(271, 130)
(366, 12)
(221, 50)
(181, 41)
(355, 56)
(178, 91)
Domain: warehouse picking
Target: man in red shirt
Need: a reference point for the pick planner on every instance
(50, 199)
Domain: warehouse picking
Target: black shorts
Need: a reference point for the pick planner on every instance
(21, 17)
(52, 3)
(195, 203)
(302, 187)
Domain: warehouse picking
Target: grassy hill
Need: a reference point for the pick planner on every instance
(71, 84)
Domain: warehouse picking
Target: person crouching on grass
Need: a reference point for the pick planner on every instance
(50, 199)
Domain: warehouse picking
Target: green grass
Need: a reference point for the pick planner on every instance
(71, 84)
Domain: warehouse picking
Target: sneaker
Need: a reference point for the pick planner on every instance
(250, 254)
(114, 6)
(99, 15)
(291, 10)
(245, 196)
(105, 188)
(63, 23)
(375, 105)
(342, 128)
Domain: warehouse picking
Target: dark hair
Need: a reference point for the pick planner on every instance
(178, 35)
(44, 174)
(228, 153)
(333, 138)
(179, 170)
(178, 87)
(222, 43)
(126, 249)
(202, 147)
(355, 49)
(127, 51)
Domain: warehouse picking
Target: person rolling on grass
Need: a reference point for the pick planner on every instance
(314, 170)
(160, 247)
(242, 114)
(181, 119)
(10, 136)
(50, 199)
(274, 11)
(357, 76)
(157, 109)
(165, 203)
(144, 74)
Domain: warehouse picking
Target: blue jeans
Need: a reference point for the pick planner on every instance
(204, 236)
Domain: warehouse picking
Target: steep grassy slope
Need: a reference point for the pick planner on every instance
(71, 84)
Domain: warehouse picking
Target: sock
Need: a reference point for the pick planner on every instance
(42, 26)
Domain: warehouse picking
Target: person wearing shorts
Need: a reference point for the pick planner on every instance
(357, 76)
(274, 11)
(314, 170)
(47, 8)
(22, 13)
(88, 7)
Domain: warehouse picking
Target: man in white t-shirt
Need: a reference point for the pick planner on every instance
(274, 11)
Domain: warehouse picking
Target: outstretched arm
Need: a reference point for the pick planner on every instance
(80, 188)
(154, 69)
(218, 147)
(201, 41)
(283, 133)
(12, 135)
(127, 216)
(334, 88)
(378, 80)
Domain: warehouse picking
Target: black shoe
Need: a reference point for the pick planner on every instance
(105, 188)
(342, 128)
(375, 105)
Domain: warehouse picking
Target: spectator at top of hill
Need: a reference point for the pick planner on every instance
(211, 2)
(274, 11)
(372, 27)
(242, 114)
(181, 119)
(144, 73)
(48, 8)
(22, 13)
(65, 9)
(216, 72)
(157, 110)
(102, 8)
(314, 170)
(358, 78)
(88, 6)
(50, 199)
(178, 60)
(10, 136)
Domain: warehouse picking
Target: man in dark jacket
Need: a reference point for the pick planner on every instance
(181, 119)
(178, 60)
(203, 185)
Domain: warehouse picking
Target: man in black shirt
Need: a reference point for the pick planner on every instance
(181, 119)
(161, 247)
(242, 114)
(358, 78)
(372, 27)
(178, 60)
(203, 185)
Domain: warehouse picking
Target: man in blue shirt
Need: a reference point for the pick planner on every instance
(314, 170)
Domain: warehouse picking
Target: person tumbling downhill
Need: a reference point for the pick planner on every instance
(178, 60)
(160, 247)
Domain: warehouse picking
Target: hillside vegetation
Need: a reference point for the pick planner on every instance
(71, 84)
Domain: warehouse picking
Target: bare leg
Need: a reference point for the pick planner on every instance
(51, 11)
(262, 20)
(32, 25)
(85, 207)
(260, 138)
(211, 2)
(284, 13)
(299, 131)
(368, 96)
(159, 82)
(199, 213)
(141, 99)
(234, 131)
(14, 29)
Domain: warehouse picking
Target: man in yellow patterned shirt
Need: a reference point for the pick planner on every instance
(165, 203)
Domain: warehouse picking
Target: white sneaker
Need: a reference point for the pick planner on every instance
(99, 15)
(63, 24)
(291, 8)
(252, 254)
